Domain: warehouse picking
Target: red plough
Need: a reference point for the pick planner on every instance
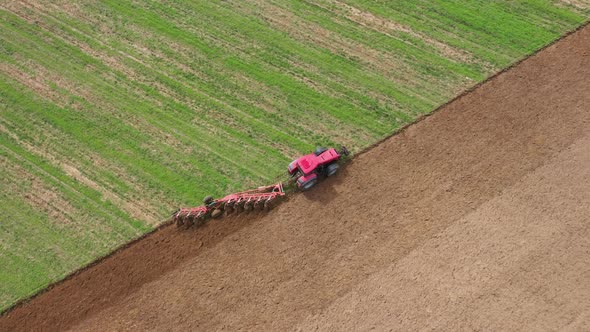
(257, 199)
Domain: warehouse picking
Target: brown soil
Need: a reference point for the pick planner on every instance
(477, 217)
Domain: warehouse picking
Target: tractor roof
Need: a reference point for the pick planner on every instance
(310, 162)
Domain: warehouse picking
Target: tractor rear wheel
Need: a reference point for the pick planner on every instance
(332, 169)
(319, 150)
(308, 184)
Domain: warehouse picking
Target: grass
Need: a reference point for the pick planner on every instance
(113, 113)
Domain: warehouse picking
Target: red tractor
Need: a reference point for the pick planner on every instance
(307, 170)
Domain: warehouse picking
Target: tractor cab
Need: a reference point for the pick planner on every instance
(309, 163)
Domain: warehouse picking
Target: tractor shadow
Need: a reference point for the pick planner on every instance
(326, 190)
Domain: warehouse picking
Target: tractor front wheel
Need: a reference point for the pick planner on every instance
(331, 169)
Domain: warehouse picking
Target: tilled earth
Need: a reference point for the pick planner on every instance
(477, 217)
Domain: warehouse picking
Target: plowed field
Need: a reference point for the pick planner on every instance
(477, 217)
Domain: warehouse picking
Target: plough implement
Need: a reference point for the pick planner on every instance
(262, 198)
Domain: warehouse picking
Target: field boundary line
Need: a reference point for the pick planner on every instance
(469, 90)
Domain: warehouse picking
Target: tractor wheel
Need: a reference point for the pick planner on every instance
(319, 150)
(208, 200)
(216, 213)
(332, 169)
(308, 184)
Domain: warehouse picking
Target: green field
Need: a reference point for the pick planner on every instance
(114, 113)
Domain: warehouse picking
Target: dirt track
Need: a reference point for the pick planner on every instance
(477, 217)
